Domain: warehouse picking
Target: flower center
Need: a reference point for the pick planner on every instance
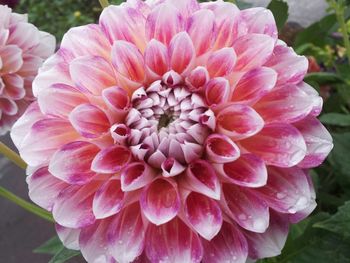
(168, 123)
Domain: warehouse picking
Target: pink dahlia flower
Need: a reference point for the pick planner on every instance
(174, 131)
(23, 49)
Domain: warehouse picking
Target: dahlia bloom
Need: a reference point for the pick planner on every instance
(173, 131)
(23, 49)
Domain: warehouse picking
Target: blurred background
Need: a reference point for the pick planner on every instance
(22, 232)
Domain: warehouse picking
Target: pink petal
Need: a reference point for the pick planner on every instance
(87, 40)
(248, 171)
(8, 106)
(117, 100)
(312, 94)
(253, 50)
(92, 74)
(64, 165)
(30, 66)
(124, 23)
(239, 121)
(277, 144)
(270, 243)
(44, 188)
(197, 79)
(229, 245)
(89, 120)
(60, 100)
(204, 215)
(254, 85)
(171, 167)
(24, 35)
(11, 57)
(14, 86)
(73, 207)
(160, 201)
(46, 47)
(221, 62)
(68, 236)
(181, 52)
(156, 58)
(173, 242)
(217, 91)
(128, 61)
(201, 178)
(247, 209)
(287, 190)
(290, 67)
(186, 7)
(319, 142)
(136, 175)
(200, 27)
(221, 149)
(164, 22)
(284, 104)
(108, 199)
(111, 159)
(126, 234)
(120, 133)
(57, 132)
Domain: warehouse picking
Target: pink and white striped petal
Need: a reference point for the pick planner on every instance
(126, 234)
(229, 245)
(171, 167)
(181, 52)
(108, 199)
(186, 7)
(319, 142)
(204, 215)
(197, 79)
(111, 159)
(221, 149)
(24, 35)
(248, 170)
(313, 94)
(221, 62)
(278, 144)
(239, 121)
(135, 176)
(160, 201)
(184, 247)
(157, 58)
(217, 91)
(14, 86)
(11, 57)
(68, 236)
(254, 85)
(246, 208)
(64, 165)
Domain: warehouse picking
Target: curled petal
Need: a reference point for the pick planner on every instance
(64, 165)
(229, 245)
(116, 99)
(14, 86)
(277, 144)
(164, 22)
(313, 94)
(221, 62)
(135, 176)
(247, 209)
(253, 50)
(181, 52)
(217, 91)
(239, 121)
(128, 61)
(68, 236)
(120, 133)
(319, 142)
(201, 178)
(221, 149)
(173, 242)
(197, 78)
(156, 57)
(126, 234)
(44, 188)
(108, 199)
(171, 167)
(172, 78)
(11, 58)
(111, 159)
(200, 27)
(254, 85)
(204, 214)
(160, 201)
(89, 120)
(248, 171)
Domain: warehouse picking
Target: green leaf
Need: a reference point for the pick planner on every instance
(279, 9)
(63, 255)
(339, 223)
(52, 246)
(243, 5)
(336, 119)
(340, 158)
(323, 78)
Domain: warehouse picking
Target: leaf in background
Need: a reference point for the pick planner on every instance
(336, 119)
(63, 255)
(323, 78)
(339, 223)
(339, 157)
(52, 246)
(279, 9)
(243, 5)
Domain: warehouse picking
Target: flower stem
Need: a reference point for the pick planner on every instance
(104, 3)
(14, 157)
(26, 205)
